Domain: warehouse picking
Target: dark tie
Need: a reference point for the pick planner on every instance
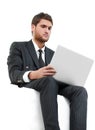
(41, 62)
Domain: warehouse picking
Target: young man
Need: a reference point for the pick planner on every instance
(28, 65)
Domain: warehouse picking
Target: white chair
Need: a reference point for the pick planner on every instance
(28, 115)
(35, 119)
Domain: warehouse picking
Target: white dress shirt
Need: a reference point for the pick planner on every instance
(25, 76)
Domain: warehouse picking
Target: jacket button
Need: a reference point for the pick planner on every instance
(27, 67)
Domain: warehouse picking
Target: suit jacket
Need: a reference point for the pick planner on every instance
(22, 58)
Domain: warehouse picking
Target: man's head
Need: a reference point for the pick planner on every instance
(36, 19)
(41, 27)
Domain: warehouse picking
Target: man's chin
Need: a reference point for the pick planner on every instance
(44, 40)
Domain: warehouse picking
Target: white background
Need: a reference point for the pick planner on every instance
(74, 27)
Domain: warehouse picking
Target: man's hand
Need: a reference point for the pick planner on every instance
(42, 72)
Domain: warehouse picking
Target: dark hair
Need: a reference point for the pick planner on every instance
(36, 19)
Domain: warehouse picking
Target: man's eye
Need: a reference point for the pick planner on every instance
(43, 26)
(49, 28)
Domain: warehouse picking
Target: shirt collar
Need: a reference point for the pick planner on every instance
(37, 48)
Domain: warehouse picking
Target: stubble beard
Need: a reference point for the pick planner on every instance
(41, 40)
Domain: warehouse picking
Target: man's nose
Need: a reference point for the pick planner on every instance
(47, 29)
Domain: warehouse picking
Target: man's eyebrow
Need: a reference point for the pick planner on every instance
(43, 25)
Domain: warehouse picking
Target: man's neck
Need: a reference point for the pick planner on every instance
(39, 44)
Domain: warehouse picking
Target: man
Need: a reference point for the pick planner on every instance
(28, 69)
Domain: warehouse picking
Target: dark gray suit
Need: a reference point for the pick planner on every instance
(23, 58)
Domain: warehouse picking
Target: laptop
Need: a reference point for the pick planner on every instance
(71, 67)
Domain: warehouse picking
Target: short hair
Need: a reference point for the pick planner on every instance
(36, 19)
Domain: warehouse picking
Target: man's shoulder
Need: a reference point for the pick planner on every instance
(19, 44)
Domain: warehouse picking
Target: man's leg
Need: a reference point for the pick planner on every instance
(48, 97)
(78, 105)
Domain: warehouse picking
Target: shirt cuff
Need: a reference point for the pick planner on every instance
(25, 77)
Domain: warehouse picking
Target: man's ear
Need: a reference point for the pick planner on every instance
(32, 27)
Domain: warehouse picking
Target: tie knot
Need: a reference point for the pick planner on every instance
(40, 51)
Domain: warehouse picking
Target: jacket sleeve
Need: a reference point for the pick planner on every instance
(15, 64)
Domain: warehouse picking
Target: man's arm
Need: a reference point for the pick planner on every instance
(15, 64)
(15, 67)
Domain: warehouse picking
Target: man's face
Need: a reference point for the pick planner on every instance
(42, 31)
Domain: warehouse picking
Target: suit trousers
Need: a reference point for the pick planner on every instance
(49, 88)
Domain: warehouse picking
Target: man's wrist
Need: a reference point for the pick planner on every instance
(32, 75)
(26, 77)
(29, 75)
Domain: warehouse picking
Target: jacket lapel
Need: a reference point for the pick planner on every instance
(32, 52)
(48, 55)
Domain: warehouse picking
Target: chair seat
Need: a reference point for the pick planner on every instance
(28, 115)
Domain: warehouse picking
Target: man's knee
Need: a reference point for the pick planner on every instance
(83, 92)
(48, 80)
(49, 83)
